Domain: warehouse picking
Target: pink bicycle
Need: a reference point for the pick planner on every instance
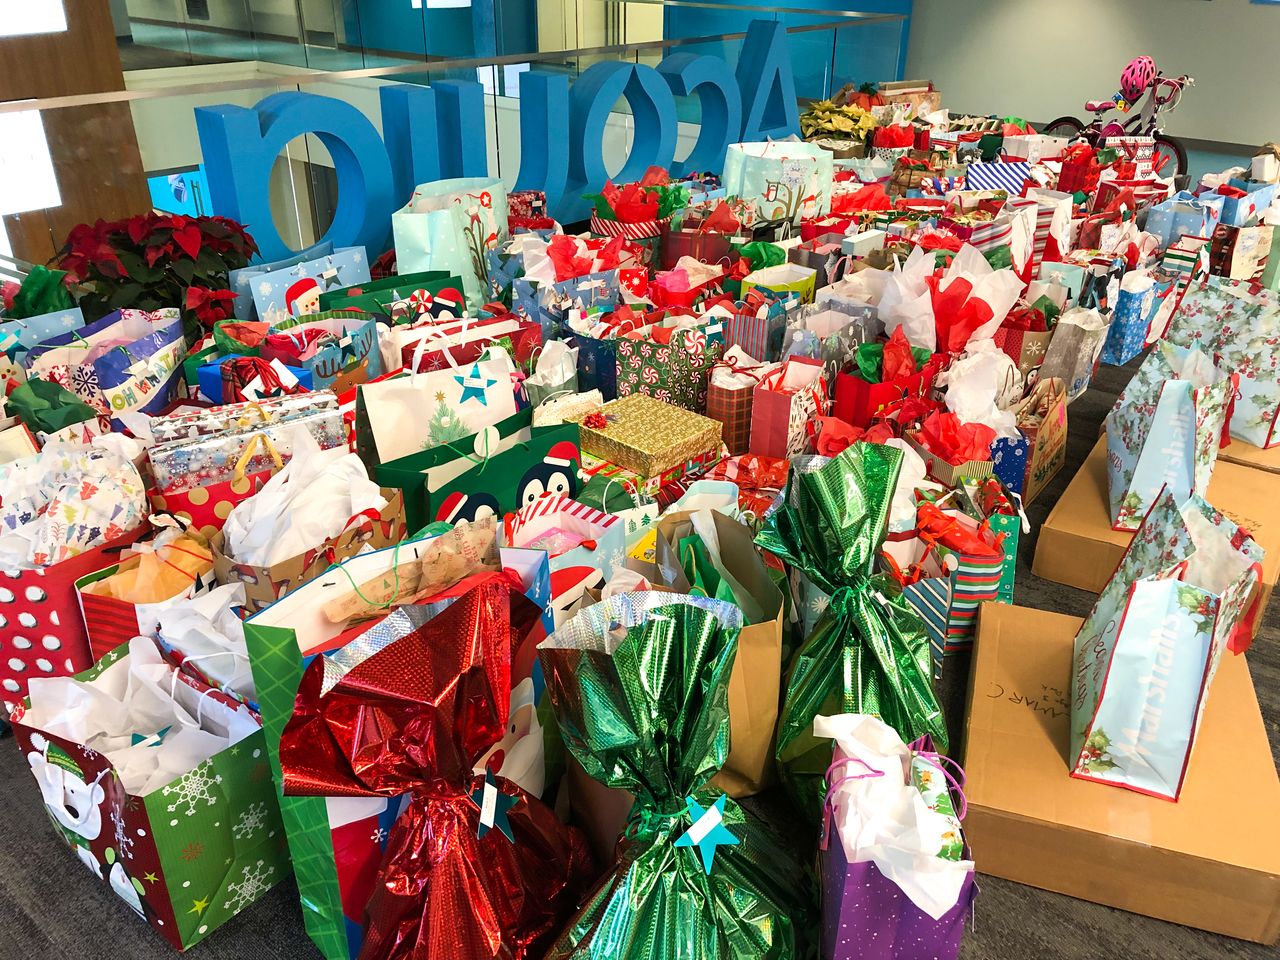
(1140, 78)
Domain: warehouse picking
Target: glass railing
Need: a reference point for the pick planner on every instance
(147, 133)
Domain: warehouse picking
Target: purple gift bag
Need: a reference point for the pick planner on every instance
(866, 916)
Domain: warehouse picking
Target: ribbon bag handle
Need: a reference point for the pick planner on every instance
(250, 448)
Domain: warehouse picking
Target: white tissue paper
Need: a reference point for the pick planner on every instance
(981, 384)
(312, 499)
(912, 476)
(737, 370)
(557, 363)
(208, 634)
(152, 723)
(885, 819)
(906, 301)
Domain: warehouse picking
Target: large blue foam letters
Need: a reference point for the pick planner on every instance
(240, 147)
(689, 74)
(461, 132)
(769, 109)
(409, 128)
(544, 134)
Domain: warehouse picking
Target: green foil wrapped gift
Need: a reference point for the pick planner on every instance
(868, 651)
(640, 687)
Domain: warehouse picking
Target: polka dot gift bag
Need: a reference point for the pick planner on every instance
(63, 514)
(896, 876)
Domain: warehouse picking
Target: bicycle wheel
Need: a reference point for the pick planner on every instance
(1068, 127)
(1176, 153)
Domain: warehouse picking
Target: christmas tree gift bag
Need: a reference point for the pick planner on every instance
(1146, 656)
(160, 785)
(1223, 318)
(639, 683)
(897, 878)
(1165, 430)
(869, 648)
(337, 842)
(452, 225)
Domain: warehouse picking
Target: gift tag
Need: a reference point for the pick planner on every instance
(493, 804)
(708, 830)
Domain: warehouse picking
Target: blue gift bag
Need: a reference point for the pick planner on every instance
(1136, 306)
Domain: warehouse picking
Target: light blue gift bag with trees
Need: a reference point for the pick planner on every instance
(452, 225)
(1146, 656)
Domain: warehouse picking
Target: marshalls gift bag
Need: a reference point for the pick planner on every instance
(1146, 656)
(1164, 431)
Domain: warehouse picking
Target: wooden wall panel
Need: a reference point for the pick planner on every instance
(94, 149)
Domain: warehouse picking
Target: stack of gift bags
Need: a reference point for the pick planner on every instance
(485, 584)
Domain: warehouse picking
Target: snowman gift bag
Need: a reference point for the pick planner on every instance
(161, 786)
(1164, 431)
(1146, 656)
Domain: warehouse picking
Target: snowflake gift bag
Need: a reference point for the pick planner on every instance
(160, 785)
(1147, 654)
(1164, 431)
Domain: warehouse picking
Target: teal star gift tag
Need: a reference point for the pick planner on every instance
(474, 385)
(151, 740)
(493, 804)
(708, 830)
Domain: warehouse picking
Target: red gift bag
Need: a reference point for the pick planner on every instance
(43, 633)
(782, 405)
(857, 401)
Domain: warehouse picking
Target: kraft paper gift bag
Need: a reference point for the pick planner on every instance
(1146, 656)
(788, 181)
(127, 362)
(161, 787)
(897, 877)
(337, 843)
(783, 407)
(1165, 430)
(295, 291)
(1131, 319)
(452, 225)
(1222, 318)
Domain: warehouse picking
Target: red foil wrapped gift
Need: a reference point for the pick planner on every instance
(409, 708)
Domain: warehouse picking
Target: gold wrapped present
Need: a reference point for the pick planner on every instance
(648, 436)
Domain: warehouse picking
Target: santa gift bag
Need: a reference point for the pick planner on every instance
(1165, 430)
(897, 878)
(339, 348)
(241, 281)
(788, 181)
(730, 394)
(338, 842)
(403, 415)
(1131, 319)
(295, 290)
(161, 787)
(127, 362)
(125, 599)
(783, 405)
(452, 225)
(1146, 656)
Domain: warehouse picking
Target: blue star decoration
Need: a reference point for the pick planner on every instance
(708, 830)
(474, 385)
(493, 804)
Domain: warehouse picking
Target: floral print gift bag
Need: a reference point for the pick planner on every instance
(452, 225)
(1145, 658)
(1165, 430)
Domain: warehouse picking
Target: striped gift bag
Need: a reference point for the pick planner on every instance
(1009, 176)
(757, 324)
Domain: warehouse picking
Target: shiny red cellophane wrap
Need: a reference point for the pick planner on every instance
(414, 717)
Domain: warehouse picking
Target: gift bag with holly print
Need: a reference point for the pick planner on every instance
(784, 404)
(127, 362)
(1242, 329)
(1165, 430)
(1146, 656)
(160, 785)
(452, 225)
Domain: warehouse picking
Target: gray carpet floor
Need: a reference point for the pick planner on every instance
(51, 907)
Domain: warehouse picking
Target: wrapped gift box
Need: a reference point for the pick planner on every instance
(1206, 861)
(1247, 455)
(648, 436)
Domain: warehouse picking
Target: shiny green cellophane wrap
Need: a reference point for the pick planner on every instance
(868, 652)
(640, 687)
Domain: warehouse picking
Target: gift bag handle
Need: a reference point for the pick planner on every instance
(250, 448)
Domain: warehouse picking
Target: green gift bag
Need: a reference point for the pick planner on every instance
(45, 407)
(452, 225)
(404, 297)
(490, 473)
(869, 650)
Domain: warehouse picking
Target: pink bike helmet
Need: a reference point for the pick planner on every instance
(1137, 77)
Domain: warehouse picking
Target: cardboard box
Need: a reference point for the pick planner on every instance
(1247, 455)
(1077, 546)
(1209, 861)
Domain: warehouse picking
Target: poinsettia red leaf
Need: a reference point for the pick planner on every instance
(189, 239)
(196, 297)
(138, 228)
(154, 253)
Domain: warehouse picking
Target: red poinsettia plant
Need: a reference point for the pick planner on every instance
(157, 260)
